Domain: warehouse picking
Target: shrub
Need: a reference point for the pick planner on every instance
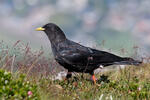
(16, 88)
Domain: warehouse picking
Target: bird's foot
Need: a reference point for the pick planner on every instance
(94, 80)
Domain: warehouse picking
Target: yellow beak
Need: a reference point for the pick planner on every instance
(40, 29)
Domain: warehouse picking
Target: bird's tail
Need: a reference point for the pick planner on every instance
(128, 61)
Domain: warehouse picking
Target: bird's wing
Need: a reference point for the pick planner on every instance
(76, 54)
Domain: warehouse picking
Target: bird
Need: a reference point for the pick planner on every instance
(78, 58)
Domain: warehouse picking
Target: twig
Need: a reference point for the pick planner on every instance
(12, 63)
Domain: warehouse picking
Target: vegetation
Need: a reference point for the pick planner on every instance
(130, 83)
(16, 87)
(28, 75)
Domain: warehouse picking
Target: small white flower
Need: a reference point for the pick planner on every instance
(139, 88)
(27, 82)
(6, 81)
(5, 73)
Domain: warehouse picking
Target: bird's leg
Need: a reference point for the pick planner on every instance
(94, 79)
(69, 74)
(82, 77)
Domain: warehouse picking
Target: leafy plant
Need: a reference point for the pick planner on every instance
(16, 88)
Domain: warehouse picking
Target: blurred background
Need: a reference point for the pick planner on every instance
(119, 26)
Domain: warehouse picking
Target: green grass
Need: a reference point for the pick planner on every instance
(131, 83)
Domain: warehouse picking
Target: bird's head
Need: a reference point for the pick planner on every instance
(49, 28)
(52, 31)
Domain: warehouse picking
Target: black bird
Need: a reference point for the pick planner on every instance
(78, 58)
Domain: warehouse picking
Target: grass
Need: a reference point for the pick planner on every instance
(25, 67)
(129, 83)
